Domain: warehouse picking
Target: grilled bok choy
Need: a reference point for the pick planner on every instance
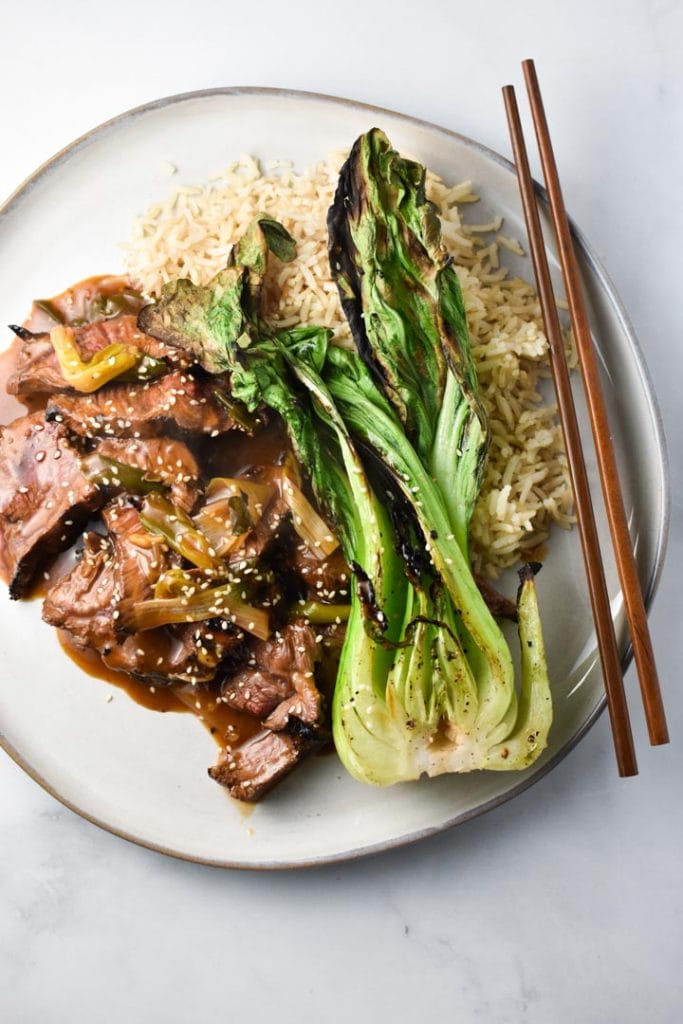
(393, 442)
(406, 311)
(425, 682)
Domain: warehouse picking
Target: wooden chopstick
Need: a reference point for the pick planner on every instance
(607, 463)
(595, 573)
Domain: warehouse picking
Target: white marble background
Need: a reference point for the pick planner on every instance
(563, 907)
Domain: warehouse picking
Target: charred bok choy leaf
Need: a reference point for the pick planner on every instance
(404, 304)
(211, 321)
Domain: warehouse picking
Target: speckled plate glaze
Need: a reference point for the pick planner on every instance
(143, 775)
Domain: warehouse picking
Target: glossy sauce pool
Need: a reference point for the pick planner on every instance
(221, 721)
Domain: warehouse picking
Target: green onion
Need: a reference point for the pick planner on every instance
(320, 614)
(104, 366)
(164, 519)
(312, 529)
(110, 472)
(216, 602)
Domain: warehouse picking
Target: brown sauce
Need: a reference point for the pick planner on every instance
(221, 721)
(236, 453)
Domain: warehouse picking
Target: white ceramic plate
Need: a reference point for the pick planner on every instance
(143, 775)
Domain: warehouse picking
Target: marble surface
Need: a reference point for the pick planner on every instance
(562, 906)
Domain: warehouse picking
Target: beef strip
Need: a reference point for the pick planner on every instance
(144, 410)
(256, 692)
(44, 496)
(81, 601)
(324, 579)
(38, 369)
(139, 560)
(189, 651)
(253, 768)
(276, 670)
(278, 683)
(171, 461)
(93, 601)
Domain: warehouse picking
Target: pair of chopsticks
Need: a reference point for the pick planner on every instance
(614, 502)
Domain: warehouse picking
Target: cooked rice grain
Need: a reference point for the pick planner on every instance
(526, 485)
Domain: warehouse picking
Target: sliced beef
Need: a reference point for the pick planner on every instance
(44, 496)
(324, 579)
(93, 299)
(124, 330)
(170, 461)
(93, 603)
(144, 410)
(280, 672)
(139, 560)
(38, 369)
(82, 601)
(256, 692)
(278, 683)
(253, 768)
(95, 600)
(302, 706)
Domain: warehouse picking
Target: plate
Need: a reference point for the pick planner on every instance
(143, 775)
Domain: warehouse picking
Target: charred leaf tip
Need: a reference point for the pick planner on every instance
(528, 571)
(21, 332)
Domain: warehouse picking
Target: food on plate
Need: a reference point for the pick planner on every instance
(274, 516)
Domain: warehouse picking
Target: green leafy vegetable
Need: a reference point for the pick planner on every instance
(405, 307)
(162, 518)
(406, 311)
(215, 320)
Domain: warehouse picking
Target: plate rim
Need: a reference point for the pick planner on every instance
(24, 189)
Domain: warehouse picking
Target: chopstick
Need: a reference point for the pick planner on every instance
(607, 463)
(595, 573)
